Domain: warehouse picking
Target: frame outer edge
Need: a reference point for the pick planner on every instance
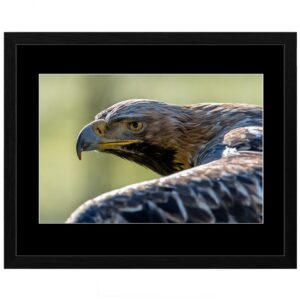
(11, 260)
(9, 150)
(291, 156)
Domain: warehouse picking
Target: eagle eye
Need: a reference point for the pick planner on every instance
(135, 126)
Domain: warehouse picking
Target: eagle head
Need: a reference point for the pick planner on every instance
(151, 133)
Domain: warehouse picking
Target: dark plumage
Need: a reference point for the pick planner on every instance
(211, 155)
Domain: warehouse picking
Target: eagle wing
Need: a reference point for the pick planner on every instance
(226, 190)
(245, 138)
(248, 138)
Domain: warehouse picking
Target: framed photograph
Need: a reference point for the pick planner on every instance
(150, 150)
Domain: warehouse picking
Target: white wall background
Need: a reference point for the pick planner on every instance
(154, 15)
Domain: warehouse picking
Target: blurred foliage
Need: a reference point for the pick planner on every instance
(68, 102)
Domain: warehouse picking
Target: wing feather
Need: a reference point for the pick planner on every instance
(230, 142)
(227, 190)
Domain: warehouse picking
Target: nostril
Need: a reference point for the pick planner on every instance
(99, 127)
(99, 130)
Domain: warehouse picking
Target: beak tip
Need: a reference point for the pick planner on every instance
(79, 154)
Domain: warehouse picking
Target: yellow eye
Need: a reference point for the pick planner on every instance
(135, 126)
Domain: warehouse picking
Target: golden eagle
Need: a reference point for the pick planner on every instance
(210, 156)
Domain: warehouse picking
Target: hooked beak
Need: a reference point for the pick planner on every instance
(88, 140)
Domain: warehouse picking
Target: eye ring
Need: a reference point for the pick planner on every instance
(135, 126)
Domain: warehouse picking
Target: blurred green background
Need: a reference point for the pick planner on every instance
(68, 102)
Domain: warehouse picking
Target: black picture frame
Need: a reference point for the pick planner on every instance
(29, 244)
